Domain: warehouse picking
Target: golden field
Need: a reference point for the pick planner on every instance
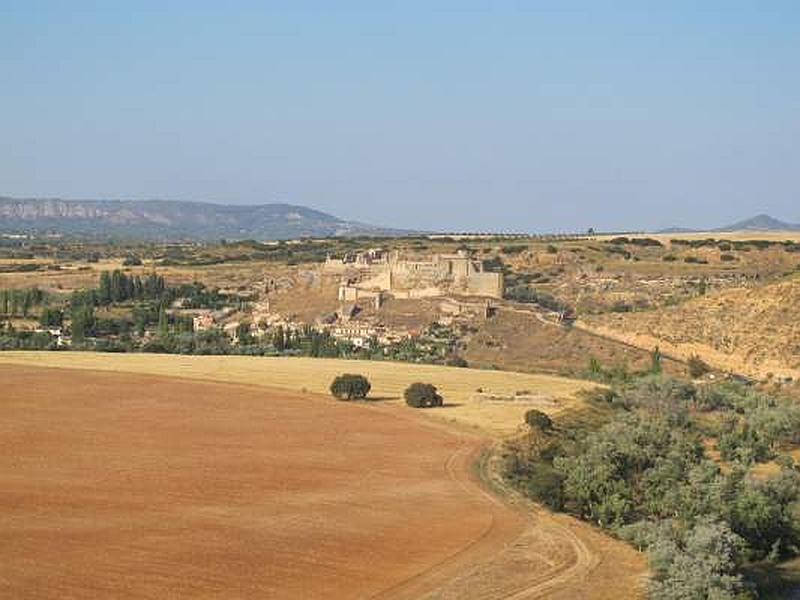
(314, 375)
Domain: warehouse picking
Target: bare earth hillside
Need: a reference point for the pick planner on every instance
(754, 331)
(520, 341)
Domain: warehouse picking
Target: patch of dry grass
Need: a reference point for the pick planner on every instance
(389, 380)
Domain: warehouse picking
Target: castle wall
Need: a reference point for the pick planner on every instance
(485, 284)
(443, 274)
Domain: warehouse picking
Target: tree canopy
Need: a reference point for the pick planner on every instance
(422, 395)
(350, 386)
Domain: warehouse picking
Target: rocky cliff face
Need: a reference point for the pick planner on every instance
(162, 219)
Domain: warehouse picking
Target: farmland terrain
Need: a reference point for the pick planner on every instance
(588, 347)
(207, 488)
(464, 406)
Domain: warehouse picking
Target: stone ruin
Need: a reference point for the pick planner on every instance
(374, 272)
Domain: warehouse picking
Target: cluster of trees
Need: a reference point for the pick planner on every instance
(51, 317)
(150, 297)
(19, 302)
(13, 339)
(308, 341)
(703, 561)
(209, 342)
(116, 287)
(646, 476)
(754, 425)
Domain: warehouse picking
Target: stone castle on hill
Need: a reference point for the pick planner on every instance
(375, 272)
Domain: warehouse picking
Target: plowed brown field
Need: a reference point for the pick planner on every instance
(135, 486)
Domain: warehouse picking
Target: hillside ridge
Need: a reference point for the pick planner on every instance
(174, 219)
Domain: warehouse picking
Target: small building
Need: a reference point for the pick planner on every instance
(203, 321)
(359, 334)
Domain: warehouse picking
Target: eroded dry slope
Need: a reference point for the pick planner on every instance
(522, 342)
(755, 331)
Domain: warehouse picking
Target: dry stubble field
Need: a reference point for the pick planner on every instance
(297, 374)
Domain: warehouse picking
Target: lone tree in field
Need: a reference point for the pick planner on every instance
(349, 387)
(422, 395)
(536, 419)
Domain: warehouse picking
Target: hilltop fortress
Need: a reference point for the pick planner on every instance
(374, 272)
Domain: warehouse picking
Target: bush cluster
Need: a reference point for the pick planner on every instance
(422, 395)
(646, 476)
(350, 387)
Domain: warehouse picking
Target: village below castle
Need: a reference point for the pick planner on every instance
(355, 291)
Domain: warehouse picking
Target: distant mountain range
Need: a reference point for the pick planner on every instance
(757, 223)
(174, 220)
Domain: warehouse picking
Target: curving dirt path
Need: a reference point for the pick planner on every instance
(552, 556)
(137, 486)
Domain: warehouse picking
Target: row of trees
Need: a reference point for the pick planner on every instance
(116, 286)
(20, 302)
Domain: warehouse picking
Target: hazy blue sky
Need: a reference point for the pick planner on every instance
(450, 115)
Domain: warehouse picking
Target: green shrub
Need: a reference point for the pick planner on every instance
(694, 260)
(422, 395)
(350, 386)
(536, 419)
(544, 484)
(697, 366)
(456, 361)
